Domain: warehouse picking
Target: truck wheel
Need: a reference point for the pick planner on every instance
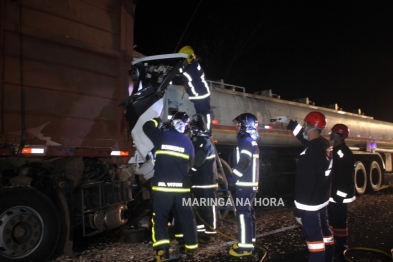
(375, 176)
(29, 225)
(360, 178)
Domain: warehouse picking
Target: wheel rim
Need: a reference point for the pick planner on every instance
(21, 231)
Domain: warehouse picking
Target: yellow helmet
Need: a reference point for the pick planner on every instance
(188, 51)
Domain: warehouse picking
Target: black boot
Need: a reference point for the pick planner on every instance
(162, 254)
(188, 252)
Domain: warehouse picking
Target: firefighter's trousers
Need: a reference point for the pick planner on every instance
(245, 214)
(319, 237)
(163, 203)
(338, 220)
(205, 214)
(203, 107)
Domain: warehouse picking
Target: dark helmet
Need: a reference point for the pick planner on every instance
(341, 129)
(316, 119)
(198, 125)
(248, 124)
(180, 121)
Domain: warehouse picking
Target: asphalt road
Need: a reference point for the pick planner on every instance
(370, 226)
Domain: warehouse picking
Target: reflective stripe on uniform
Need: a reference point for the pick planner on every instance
(349, 200)
(208, 122)
(239, 183)
(237, 173)
(195, 246)
(327, 172)
(340, 232)
(161, 242)
(153, 235)
(309, 207)
(316, 246)
(341, 194)
(246, 152)
(211, 156)
(328, 240)
(255, 164)
(155, 122)
(205, 186)
(196, 96)
(345, 200)
(199, 97)
(340, 153)
(153, 232)
(171, 189)
(172, 153)
(243, 229)
(297, 130)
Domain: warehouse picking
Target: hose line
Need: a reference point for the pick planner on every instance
(366, 249)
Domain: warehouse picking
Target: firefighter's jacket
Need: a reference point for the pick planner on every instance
(343, 186)
(246, 162)
(204, 171)
(313, 174)
(194, 77)
(174, 157)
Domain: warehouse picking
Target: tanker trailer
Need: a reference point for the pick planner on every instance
(369, 139)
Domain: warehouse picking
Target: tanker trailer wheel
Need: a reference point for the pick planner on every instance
(29, 225)
(223, 184)
(375, 176)
(360, 178)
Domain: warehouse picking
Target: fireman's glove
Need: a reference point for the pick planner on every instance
(299, 215)
(232, 179)
(280, 119)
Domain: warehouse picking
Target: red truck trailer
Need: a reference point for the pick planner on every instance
(64, 138)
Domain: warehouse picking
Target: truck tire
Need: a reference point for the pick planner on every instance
(360, 178)
(375, 176)
(29, 225)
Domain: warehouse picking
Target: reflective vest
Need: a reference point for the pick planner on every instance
(249, 151)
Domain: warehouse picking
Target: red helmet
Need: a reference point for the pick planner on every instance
(341, 129)
(316, 119)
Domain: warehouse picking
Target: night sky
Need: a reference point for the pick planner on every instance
(329, 51)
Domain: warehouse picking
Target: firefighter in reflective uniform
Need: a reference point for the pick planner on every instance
(245, 175)
(313, 184)
(343, 186)
(171, 183)
(204, 180)
(193, 79)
